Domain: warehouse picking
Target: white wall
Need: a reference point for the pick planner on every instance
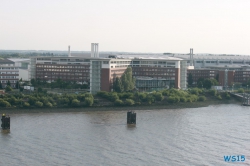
(24, 74)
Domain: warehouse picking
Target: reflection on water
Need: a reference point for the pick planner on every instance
(195, 136)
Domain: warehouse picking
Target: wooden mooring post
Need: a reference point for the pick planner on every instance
(5, 122)
(131, 117)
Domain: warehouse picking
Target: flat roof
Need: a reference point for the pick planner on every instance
(214, 57)
(6, 61)
(149, 57)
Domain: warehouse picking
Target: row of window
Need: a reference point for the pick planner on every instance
(117, 62)
(63, 66)
(120, 66)
(148, 69)
(152, 73)
(72, 74)
(63, 77)
(229, 62)
(6, 77)
(8, 68)
(8, 72)
(6, 81)
(63, 70)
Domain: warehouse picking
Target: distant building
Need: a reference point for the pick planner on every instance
(23, 67)
(100, 73)
(8, 72)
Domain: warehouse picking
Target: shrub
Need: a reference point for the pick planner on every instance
(195, 91)
(103, 94)
(75, 103)
(26, 104)
(130, 102)
(118, 102)
(89, 95)
(89, 101)
(150, 99)
(113, 96)
(48, 104)
(158, 96)
(32, 100)
(173, 99)
(39, 104)
(213, 92)
(183, 99)
(227, 96)
(143, 97)
(126, 95)
(137, 103)
(219, 97)
(202, 98)
(165, 93)
(81, 97)
(64, 100)
(194, 98)
(240, 90)
(4, 103)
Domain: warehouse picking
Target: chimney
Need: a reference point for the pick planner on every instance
(94, 50)
(69, 54)
(191, 57)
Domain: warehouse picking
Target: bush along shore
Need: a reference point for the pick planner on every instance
(165, 99)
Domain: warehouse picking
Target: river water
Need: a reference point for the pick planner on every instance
(193, 136)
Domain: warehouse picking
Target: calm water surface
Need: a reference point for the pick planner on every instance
(195, 136)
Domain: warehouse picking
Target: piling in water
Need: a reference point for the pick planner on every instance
(5, 122)
(131, 117)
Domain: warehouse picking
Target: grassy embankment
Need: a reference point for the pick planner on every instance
(104, 104)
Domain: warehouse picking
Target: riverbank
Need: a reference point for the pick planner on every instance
(154, 106)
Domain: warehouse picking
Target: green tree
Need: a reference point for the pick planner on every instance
(8, 83)
(40, 90)
(217, 77)
(117, 86)
(8, 88)
(190, 79)
(1, 86)
(207, 84)
(214, 82)
(127, 79)
(17, 85)
(33, 82)
(200, 82)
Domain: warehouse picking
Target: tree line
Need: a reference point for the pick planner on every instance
(40, 100)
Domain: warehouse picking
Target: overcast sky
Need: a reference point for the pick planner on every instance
(207, 26)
